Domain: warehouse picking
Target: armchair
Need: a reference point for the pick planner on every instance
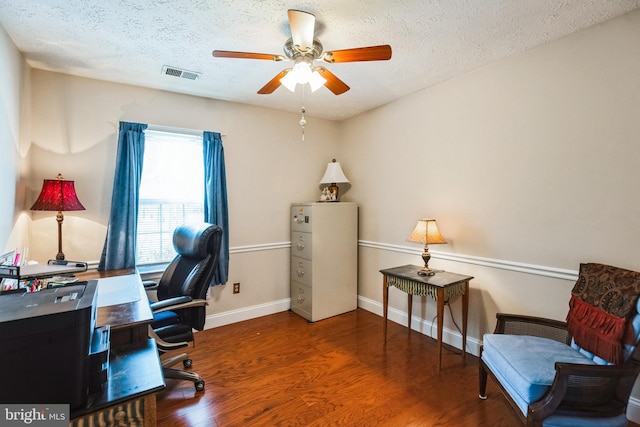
(578, 372)
(181, 294)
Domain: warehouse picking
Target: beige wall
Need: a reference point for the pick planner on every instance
(528, 164)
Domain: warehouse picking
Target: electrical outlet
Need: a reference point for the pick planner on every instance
(236, 288)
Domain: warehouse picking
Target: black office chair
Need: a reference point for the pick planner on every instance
(181, 294)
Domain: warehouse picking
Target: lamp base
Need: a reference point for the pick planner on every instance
(59, 219)
(330, 194)
(426, 271)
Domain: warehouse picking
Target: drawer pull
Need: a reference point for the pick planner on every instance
(300, 273)
(300, 246)
(300, 299)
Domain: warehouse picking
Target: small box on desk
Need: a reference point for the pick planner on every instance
(47, 348)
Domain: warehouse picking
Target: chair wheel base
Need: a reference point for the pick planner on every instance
(199, 385)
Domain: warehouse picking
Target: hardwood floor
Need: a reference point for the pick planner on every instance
(280, 370)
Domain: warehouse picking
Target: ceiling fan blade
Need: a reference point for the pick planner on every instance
(371, 53)
(333, 83)
(247, 55)
(274, 83)
(302, 28)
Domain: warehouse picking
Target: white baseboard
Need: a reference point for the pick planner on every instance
(247, 313)
(425, 327)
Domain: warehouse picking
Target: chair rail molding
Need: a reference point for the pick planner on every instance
(259, 247)
(540, 270)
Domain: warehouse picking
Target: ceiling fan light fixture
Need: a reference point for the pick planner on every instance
(289, 81)
(302, 72)
(316, 81)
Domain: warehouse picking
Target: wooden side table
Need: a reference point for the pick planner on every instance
(442, 287)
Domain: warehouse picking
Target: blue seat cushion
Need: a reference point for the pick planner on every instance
(164, 318)
(560, 421)
(525, 365)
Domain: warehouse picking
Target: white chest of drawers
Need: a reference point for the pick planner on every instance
(324, 259)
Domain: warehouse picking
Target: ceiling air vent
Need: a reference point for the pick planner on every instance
(177, 72)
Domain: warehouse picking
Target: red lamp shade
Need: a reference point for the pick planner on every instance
(57, 195)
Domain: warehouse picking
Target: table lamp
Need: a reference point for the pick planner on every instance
(333, 176)
(427, 233)
(58, 195)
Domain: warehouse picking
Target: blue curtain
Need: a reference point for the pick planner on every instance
(120, 244)
(216, 209)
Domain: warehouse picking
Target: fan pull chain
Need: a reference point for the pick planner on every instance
(302, 122)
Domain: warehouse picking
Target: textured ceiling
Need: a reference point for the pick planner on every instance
(432, 41)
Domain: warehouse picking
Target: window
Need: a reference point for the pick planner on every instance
(171, 192)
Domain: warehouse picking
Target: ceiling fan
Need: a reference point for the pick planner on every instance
(303, 49)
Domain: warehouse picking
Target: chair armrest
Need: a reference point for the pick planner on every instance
(514, 324)
(586, 391)
(187, 302)
(149, 285)
(159, 306)
(163, 345)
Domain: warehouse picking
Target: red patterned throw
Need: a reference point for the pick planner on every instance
(602, 300)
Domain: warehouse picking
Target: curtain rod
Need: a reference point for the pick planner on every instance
(172, 129)
(178, 130)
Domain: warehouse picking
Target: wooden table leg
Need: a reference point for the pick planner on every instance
(440, 314)
(385, 303)
(465, 313)
(150, 416)
(410, 306)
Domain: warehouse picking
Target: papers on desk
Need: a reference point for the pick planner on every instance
(118, 290)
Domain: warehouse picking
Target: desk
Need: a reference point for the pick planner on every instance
(122, 304)
(135, 372)
(442, 287)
